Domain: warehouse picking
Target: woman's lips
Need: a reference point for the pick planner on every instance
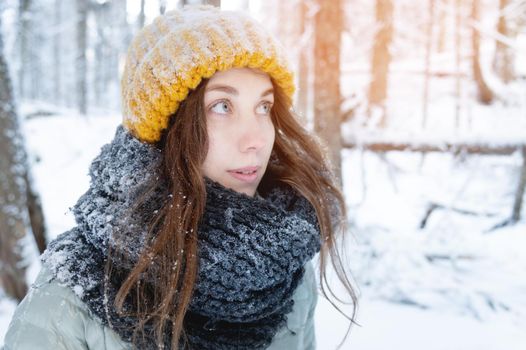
(247, 174)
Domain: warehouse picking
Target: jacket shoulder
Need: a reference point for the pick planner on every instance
(52, 316)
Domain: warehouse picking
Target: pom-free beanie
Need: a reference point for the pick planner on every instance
(171, 56)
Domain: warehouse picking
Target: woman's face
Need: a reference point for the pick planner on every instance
(240, 130)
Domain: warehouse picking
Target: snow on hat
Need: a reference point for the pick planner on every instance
(171, 56)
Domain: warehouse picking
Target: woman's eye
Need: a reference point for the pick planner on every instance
(220, 107)
(265, 108)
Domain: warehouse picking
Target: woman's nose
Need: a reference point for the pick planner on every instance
(252, 137)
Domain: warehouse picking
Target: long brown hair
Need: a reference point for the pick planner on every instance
(297, 159)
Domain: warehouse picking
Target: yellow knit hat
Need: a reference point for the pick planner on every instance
(174, 53)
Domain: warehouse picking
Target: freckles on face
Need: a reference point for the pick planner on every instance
(241, 134)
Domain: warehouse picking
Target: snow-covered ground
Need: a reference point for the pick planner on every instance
(451, 285)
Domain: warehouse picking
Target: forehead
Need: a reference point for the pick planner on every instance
(241, 75)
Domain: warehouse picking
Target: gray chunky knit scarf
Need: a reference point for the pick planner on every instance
(252, 250)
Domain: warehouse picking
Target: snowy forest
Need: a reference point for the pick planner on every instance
(421, 107)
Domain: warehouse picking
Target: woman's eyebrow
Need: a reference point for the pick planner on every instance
(232, 91)
(268, 92)
(225, 88)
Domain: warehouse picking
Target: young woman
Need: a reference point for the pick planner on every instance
(203, 213)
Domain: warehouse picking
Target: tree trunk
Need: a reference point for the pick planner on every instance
(57, 52)
(38, 89)
(327, 98)
(216, 3)
(485, 95)
(305, 53)
(455, 148)
(23, 35)
(519, 195)
(142, 17)
(243, 4)
(99, 50)
(287, 15)
(442, 25)
(291, 26)
(99, 74)
(81, 62)
(118, 43)
(36, 214)
(427, 77)
(381, 57)
(13, 208)
(458, 17)
(503, 58)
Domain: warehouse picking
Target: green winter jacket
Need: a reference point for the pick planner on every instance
(52, 316)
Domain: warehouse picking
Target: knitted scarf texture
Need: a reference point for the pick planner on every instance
(252, 251)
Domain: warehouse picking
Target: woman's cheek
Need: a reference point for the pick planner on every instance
(271, 132)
